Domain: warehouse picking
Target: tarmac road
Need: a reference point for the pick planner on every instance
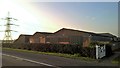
(12, 62)
(9, 61)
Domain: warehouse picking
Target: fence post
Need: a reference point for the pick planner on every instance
(97, 55)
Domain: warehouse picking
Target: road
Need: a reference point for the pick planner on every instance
(10, 61)
(15, 58)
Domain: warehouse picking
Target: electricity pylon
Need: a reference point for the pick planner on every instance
(7, 37)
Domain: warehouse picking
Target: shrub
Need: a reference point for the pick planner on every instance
(76, 50)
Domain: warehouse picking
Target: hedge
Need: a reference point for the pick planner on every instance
(57, 48)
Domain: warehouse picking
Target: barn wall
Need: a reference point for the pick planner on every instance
(36, 38)
(23, 39)
(100, 38)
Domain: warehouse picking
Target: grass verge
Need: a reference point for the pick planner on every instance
(116, 60)
(75, 56)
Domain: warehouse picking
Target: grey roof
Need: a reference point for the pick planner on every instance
(107, 34)
(91, 33)
(44, 33)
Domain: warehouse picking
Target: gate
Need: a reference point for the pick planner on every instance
(100, 51)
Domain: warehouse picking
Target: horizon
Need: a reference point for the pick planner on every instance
(96, 17)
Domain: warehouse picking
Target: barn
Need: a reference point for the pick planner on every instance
(71, 36)
(39, 37)
(66, 36)
(23, 39)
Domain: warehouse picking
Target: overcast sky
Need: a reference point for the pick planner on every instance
(98, 17)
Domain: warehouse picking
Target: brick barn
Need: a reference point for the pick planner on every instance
(66, 36)
(71, 36)
(23, 39)
(39, 37)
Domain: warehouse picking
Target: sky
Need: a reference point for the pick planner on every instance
(36, 16)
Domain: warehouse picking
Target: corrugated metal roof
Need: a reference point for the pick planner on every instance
(91, 33)
(42, 33)
(107, 34)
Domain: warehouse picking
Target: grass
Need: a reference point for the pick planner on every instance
(116, 60)
(75, 56)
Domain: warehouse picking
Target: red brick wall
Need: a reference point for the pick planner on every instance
(38, 38)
